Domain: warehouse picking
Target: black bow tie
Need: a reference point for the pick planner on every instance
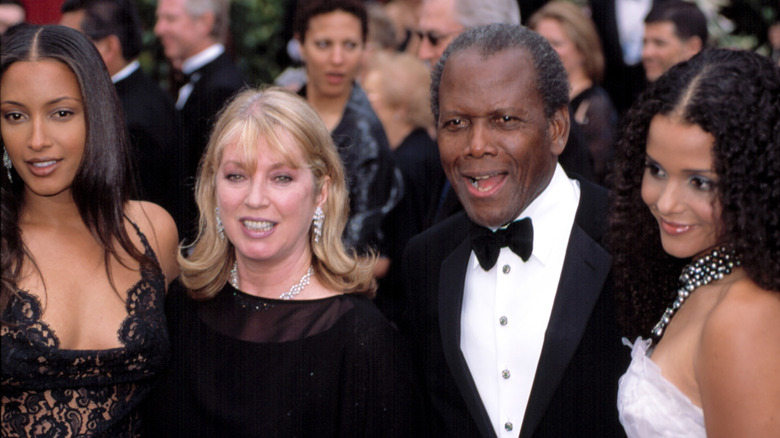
(486, 244)
(191, 78)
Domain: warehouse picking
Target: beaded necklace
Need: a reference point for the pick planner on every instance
(704, 270)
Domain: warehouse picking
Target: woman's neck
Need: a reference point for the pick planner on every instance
(579, 83)
(52, 210)
(397, 131)
(330, 108)
(270, 279)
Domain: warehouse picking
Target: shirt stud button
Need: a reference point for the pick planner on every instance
(508, 426)
(503, 320)
(506, 269)
(505, 374)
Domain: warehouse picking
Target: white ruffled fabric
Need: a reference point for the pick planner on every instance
(651, 406)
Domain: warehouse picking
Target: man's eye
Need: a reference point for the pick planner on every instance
(453, 124)
(506, 121)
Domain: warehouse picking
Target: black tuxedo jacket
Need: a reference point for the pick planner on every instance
(217, 82)
(574, 392)
(153, 127)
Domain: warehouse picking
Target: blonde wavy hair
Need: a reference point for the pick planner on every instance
(275, 115)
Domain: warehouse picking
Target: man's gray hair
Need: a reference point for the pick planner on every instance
(472, 13)
(221, 11)
(551, 80)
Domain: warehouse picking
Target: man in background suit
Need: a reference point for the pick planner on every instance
(527, 346)
(191, 33)
(114, 27)
(675, 30)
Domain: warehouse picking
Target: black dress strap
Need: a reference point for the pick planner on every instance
(148, 251)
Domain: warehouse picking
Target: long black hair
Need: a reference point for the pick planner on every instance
(104, 182)
(735, 96)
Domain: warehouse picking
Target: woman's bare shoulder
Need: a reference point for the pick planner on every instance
(737, 362)
(160, 229)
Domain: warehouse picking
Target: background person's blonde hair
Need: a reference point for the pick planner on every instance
(278, 116)
(405, 83)
(580, 30)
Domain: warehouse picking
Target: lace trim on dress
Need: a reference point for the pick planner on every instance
(47, 391)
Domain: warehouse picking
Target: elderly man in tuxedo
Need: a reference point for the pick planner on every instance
(509, 310)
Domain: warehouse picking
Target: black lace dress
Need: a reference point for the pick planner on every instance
(52, 392)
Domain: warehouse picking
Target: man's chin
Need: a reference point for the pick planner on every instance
(487, 217)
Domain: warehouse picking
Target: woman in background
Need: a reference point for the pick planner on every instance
(696, 189)
(573, 35)
(276, 335)
(84, 268)
(332, 35)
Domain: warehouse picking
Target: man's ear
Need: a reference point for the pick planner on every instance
(206, 23)
(558, 129)
(693, 45)
(110, 49)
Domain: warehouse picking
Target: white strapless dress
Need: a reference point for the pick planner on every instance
(651, 406)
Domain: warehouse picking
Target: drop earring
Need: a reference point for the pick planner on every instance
(7, 164)
(220, 227)
(319, 219)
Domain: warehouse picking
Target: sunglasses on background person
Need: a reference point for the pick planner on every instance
(433, 37)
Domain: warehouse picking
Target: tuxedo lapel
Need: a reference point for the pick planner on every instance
(584, 274)
(452, 278)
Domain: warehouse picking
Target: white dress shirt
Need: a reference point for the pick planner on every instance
(506, 310)
(125, 72)
(193, 63)
(630, 16)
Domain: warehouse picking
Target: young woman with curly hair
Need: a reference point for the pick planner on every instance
(697, 186)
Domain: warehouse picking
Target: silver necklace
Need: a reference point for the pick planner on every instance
(290, 294)
(711, 267)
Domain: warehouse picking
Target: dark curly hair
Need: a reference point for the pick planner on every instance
(735, 96)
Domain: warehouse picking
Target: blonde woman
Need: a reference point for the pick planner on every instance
(276, 336)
